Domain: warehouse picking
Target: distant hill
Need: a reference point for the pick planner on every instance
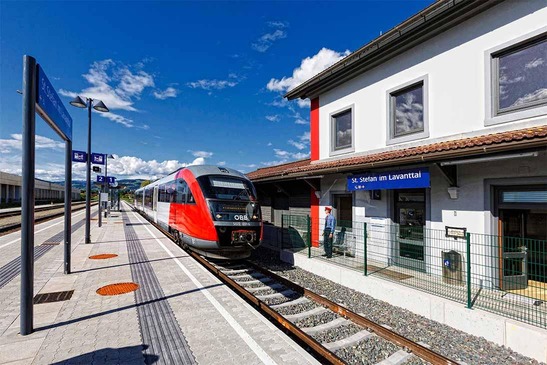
(129, 184)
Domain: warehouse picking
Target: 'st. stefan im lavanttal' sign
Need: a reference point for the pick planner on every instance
(51, 108)
(387, 180)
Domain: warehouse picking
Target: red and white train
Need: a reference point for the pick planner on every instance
(211, 210)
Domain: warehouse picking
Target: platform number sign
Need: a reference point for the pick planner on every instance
(111, 179)
(100, 178)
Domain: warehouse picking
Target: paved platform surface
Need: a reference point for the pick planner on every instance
(180, 314)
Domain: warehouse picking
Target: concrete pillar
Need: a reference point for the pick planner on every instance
(1, 188)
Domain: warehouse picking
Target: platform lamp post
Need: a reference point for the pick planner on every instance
(107, 186)
(99, 106)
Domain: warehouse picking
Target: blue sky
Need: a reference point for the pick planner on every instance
(186, 82)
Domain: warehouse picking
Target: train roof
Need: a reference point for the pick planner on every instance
(199, 170)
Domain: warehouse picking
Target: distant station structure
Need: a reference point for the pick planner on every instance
(10, 189)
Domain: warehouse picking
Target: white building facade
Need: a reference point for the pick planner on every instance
(433, 131)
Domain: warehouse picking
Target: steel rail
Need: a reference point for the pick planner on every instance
(14, 227)
(38, 209)
(417, 349)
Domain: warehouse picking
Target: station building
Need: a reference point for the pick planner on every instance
(10, 189)
(436, 128)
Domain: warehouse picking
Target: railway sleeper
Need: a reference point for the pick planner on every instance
(265, 281)
(348, 341)
(398, 358)
(255, 275)
(231, 272)
(276, 286)
(324, 327)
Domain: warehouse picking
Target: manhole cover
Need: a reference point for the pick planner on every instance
(117, 289)
(103, 256)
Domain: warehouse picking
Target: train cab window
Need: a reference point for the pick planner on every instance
(227, 188)
(181, 189)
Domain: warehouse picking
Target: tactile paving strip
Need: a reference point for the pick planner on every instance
(103, 256)
(159, 327)
(117, 289)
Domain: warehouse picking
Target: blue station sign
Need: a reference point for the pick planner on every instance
(97, 158)
(50, 107)
(100, 178)
(111, 179)
(388, 180)
(79, 156)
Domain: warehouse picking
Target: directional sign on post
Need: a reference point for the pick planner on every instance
(79, 156)
(97, 158)
(111, 179)
(96, 169)
(100, 179)
(50, 107)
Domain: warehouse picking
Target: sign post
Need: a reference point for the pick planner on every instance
(40, 97)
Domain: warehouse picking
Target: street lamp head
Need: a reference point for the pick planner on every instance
(110, 156)
(78, 102)
(99, 106)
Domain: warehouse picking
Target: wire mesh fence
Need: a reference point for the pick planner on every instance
(504, 275)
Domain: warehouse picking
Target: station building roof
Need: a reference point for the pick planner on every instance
(440, 16)
(528, 138)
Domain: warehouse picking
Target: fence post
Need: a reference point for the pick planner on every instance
(309, 237)
(282, 230)
(365, 249)
(468, 239)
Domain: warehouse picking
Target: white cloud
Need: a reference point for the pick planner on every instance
(266, 41)
(170, 92)
(301, 121)
(278, 24)
(535, 63)
(126, 122)
(540, 94)
(269, 144)
(305, 137)
(16, 143)
(273, 118)
(221, 163)
(285, 155)
(308, 68)
(203, 154)
(211, 84)
(250, 166)
(298, 145)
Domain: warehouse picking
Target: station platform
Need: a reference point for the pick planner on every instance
(178, 314)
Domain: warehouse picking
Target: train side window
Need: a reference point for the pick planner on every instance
(190, 197)
(182, 187)
(161, 193)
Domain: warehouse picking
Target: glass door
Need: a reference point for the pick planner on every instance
(410, 219)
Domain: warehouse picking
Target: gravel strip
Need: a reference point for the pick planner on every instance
(337, 333)
(274, 301)
(446, 340)
(316, 319)
(370, 351)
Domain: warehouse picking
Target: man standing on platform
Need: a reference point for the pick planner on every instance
(330, 223)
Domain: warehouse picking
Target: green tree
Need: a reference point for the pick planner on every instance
(144, 183)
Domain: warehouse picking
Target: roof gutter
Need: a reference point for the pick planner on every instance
(430, 157)
(430, 22)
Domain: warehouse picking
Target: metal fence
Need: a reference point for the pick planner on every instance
(504, 275)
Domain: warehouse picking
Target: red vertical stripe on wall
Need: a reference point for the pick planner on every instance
(314, 216)
(314, 129)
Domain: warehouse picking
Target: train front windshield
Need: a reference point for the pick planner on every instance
(227, 188)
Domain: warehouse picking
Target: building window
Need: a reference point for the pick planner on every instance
(342, 131)
(520, 76)
(408, 112)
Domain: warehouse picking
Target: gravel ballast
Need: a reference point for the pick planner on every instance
(441, 338)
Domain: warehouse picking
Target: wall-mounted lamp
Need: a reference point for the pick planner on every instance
(453, 192)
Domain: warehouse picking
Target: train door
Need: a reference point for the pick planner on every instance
(155, 204)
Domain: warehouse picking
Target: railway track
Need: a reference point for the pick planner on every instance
(11, 221)
(328, 329)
